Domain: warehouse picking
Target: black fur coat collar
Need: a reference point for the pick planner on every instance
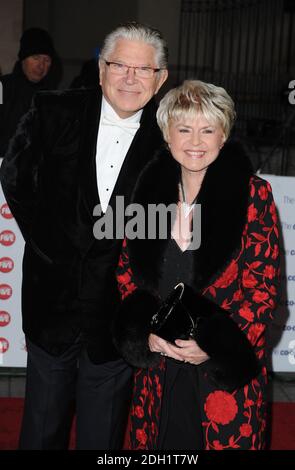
(224, 201)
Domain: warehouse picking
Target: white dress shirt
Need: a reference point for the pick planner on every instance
(114, 138)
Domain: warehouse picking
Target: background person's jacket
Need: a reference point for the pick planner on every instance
(18, 93)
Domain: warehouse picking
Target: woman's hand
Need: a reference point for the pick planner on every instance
(162, 346)
(185, 351)
(190, 351)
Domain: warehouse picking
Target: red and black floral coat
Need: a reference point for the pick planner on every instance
(237, 268)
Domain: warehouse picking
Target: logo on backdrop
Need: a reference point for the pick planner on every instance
(6, 265)
(289, 252)
(5, 291)
(290, 277)
(289, 327)
(7, 238)
(5, 211)
(287, 303)
(287, 226)
(4, 345)
(4, 318)
(288, 353)
(291, 356)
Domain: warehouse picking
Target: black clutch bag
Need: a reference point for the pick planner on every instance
(174, 320)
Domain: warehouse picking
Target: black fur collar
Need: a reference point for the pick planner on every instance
(224, 199)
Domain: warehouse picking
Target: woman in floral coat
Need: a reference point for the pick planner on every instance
(207, 392)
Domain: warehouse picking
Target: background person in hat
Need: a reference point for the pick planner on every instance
(36, 69)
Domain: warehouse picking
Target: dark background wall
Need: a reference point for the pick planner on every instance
(11, 20)
(247, 46)
(78, 26)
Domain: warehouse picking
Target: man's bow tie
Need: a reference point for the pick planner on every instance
(130, 127)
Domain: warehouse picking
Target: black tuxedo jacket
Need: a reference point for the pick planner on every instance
(49, 180)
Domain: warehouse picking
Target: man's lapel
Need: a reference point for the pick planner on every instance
(88, 151)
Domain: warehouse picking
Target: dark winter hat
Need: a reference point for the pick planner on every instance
(35, 41)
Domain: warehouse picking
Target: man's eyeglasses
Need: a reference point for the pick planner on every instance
(122, 69)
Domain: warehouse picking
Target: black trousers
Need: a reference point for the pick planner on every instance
(181, 420)
(57, 385)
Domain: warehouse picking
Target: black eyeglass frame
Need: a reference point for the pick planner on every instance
(155, 70)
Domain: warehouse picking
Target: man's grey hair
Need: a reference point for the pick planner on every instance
(137, 32)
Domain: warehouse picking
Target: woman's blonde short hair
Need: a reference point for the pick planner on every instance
(194, 97)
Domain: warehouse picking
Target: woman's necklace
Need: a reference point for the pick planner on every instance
(186, 206)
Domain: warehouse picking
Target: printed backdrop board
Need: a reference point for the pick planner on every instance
(12, 341)
(282, 334)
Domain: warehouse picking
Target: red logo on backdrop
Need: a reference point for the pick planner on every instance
(5, 291)
(5, 211)
(4, 318)
(4, 345)
(7, 238)
(6, 265)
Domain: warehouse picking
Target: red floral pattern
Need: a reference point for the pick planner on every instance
(221, 407)
(248, 289)
(246, 430)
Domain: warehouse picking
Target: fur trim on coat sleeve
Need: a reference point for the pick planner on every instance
(131, 329)
(233, 362)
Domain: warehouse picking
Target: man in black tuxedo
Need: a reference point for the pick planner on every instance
(73, 150)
